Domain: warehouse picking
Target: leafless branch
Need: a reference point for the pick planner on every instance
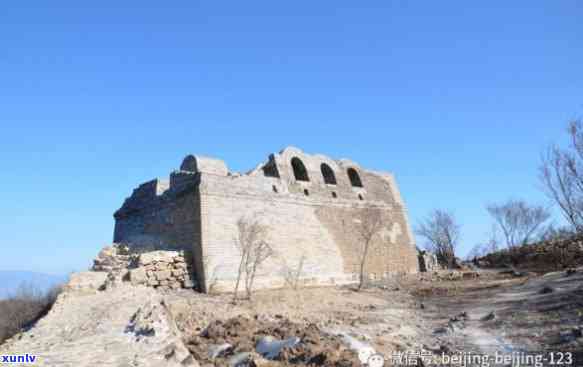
(561, 173)
(368, 224)
(254, 251)
(442, 233)
(518, 220)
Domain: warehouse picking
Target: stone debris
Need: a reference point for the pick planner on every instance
(489, 317)
(546, 290)
(162, 269)
(157, 269)
(112, 258)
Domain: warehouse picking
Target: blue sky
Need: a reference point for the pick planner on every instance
(456, 98)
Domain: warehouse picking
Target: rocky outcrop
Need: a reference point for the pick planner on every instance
(121, 326)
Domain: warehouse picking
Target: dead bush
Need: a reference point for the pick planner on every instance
(24, 308)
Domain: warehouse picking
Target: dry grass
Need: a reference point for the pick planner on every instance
(24, 308)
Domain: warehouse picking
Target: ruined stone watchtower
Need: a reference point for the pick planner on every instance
(309, 203)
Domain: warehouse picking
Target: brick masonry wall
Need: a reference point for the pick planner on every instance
(164, 219)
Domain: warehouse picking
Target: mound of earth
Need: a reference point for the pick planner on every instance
(242, 335)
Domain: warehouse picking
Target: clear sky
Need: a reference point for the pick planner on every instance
(457, 98)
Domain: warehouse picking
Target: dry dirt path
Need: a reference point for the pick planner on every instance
(513, 316)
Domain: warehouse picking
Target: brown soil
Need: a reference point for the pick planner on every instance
(422, 313)
(243, 333)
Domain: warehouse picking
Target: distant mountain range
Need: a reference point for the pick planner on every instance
(11, 280)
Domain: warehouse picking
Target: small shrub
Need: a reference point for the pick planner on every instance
(24, 308)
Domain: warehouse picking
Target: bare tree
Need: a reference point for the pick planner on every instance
(368, 224)
(293, 275)
(491, 245)
(561, 173)
(442, 233)
(254, 250)
(477, 251)
(519, 221)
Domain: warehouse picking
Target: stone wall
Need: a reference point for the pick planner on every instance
(162, 269)
(164, 216)
(314, 217)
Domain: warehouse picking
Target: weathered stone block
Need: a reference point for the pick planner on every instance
(177, 273)
(163, 275)
(152, 282)
(138, 276)
(157, 256)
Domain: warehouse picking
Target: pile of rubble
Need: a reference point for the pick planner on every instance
(158, 269)
(162, 269)
(113, 258)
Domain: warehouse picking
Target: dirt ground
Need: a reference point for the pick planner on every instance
(510, 314)
(417, 319)
(387, 319)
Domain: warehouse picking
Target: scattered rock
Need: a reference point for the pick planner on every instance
(546, 290)
(460, 317)
(218, 350)
(489, 317)
(567, 336)
(442, 331)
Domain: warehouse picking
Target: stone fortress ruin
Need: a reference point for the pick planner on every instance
(308, 203)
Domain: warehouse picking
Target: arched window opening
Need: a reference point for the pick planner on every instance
(300, 172)
(354, 178)
(306, 192)
(328, 174)
(270, 170)
(334, 195)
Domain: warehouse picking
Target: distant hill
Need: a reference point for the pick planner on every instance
(10, 280)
